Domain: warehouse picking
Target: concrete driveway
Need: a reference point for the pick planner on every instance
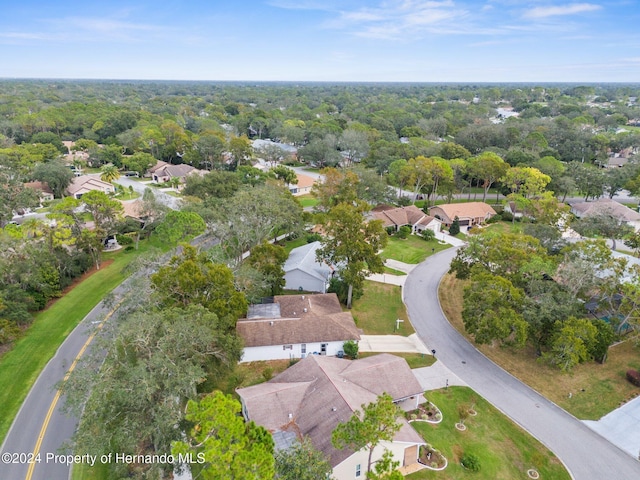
(621, 427)
(437, 376)
(392, 343)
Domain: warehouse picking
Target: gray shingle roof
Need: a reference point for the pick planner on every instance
(304, 258)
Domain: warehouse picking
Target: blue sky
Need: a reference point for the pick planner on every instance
(323, 40)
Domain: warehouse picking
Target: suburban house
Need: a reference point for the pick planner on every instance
(512, 208)
(469, 214)
(305, 182)
(607, 206)
(87, 183)
(159, 164)
(313, 396)
(303, 272)
(296, 326)
(621, 158)
(410, 216)
(42, 188)
(167, 172)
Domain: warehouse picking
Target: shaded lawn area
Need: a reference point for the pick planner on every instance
(505, 450)
(20, 366)
(291, 244)
(307, 200)
(411, 250)
(378, 308)
(596, 389)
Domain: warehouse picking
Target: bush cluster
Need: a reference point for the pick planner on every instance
(634, 377)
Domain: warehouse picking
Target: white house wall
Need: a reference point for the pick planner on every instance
(277, 352)
(347, 469)
(295, 279)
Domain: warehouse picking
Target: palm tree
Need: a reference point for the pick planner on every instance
(109, 173)
(33, 227)
(174, 182)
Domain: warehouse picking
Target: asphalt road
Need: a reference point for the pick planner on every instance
(40, 425)
(587, 455)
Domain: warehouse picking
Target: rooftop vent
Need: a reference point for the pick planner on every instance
(271, 323)
(304, 310)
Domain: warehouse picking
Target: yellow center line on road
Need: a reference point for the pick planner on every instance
(56, 397)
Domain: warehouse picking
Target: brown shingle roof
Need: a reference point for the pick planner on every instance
(323, 320)
(87, 182)
(410, 215)
(40, 186)
(463, 210)
(325, 391)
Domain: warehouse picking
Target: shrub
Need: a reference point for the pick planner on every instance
(350, 349)
(340, 288)
(634, 377)
(454, 229)
(403, 232)
(129, 248)
(124, 240)
(267, 373)
(470, 462)
(428, 234)
(313, 237)
(506, 216)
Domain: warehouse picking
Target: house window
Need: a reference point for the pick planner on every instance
(287, 347)
(358, 470)
(303, 348)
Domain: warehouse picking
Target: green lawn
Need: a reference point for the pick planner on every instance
(307, 200)
(291, 244)
(20, 366)
(415, 360)
(411, 250)
(505, 450)
(377, 310)
(393, 271)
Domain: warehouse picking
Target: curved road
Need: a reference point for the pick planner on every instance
(41, 426)
(587, 455)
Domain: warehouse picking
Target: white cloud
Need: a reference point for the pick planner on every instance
(559, 10)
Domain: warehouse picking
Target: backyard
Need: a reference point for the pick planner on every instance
(596, 389)
(503, 450)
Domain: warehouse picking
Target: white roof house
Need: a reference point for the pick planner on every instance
(304, 272)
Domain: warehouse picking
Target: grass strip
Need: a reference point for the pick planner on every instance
(20, 366)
